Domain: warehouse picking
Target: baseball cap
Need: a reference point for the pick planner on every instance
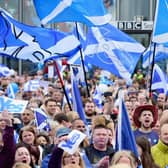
(62, 131)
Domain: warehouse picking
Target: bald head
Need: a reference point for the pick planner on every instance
(164, 133)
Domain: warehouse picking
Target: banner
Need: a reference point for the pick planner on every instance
(12, 105)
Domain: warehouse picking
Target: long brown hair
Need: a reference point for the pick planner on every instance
(146, 157)
(30, 129)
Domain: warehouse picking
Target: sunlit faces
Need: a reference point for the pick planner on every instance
(28, 137)
(164, 134)
(51, 107)
(89, 108)
(110, 136)
(57, 95)
(27, 116)
(41, 140)
(146, 118)
(2, 123)
(71, 159)
(100, 138)
(22, 155)
(79, 125)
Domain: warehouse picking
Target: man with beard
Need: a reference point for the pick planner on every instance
(89, 108)
(27, 116)
(145, 117)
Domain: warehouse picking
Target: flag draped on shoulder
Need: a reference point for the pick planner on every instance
(112, 50)
(33, 43)
(125, 139)
(160, 31)
(90, 12)
(159, 80)
(41, 120)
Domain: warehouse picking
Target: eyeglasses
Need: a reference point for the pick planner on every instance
(70, 156)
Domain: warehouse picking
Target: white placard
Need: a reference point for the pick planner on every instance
(50, 71)
(75, 137)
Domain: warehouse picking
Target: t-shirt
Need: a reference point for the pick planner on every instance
(151, 136)
(95, 155)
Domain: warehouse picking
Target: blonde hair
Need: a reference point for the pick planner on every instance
(133, 159)
(120, 165)
(21, 165)
(72, 115)
(98, 120)
(72, 166)
(81, 162)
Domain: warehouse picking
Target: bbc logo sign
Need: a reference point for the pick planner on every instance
(130, 25)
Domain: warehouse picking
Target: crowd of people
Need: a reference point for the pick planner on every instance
(24, 145)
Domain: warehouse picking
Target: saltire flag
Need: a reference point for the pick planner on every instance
(31, 85)
(112, 50)
(41, 120)
(33, 43)
(97, 97)
(5, 71)
(69, 95)
(161, 52)
(77, 74)
(160, 31)
(125, 139)
(105, 80)
(77, 100)
(12, 90)
(90, 12)
(159, 80)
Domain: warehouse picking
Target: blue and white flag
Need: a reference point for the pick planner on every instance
(159, 80)
(12, 105)
(112, 50)
(97, 97)
(5, 71)
(161, 52)
(12, 90)
(125, 139)
(160, 31)
(90, 12)
(77, 100)
(41, 120)
(31, 85)
(33, 43)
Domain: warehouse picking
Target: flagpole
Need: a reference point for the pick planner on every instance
(151, 74)
(62, 84)
(82, 60)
